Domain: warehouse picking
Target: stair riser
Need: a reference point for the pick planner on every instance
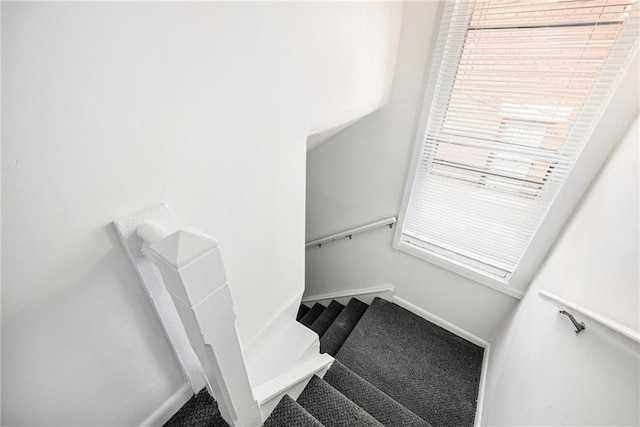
(328, 316)
(312, 315)
(294, 392)
(366, 295)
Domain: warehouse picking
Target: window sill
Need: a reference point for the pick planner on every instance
(479, 276)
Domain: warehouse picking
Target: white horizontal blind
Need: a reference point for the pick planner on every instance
(517, 89)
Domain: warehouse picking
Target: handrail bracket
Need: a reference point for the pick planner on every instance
(580, 326)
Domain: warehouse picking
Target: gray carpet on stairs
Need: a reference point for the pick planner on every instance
(289, 413)
(378, 404)
(427, 369)
(332, 408)
(395, 367)
(312, 315)
(334, 337)
(200, 411)
(322, 323)
(302, 310)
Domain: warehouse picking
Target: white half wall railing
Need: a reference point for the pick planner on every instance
(351, 232)
(184, 277)
(193, 302)
(594, 321)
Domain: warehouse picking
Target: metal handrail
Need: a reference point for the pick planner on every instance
(616, 331)
(349, 233)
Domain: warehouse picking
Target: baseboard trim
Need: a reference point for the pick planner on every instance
(384, 291)
(169, 407)
(440, 322)
(483, 385)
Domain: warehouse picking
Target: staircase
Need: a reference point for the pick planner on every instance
(392, 368)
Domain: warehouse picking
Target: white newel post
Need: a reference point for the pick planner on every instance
(136, 232)
(193, 273)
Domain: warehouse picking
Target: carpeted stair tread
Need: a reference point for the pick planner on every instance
(289, 413)
(334, 337)
(378, 404)
(425, 368)
(312, 314)
(301, 311)
(332, 408)
(200, 411)
(322, 323)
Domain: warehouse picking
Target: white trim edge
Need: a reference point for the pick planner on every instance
(483, 386)
(169, 407)
(441, 322)
(390, 290)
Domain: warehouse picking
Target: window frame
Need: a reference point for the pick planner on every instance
(611, 125)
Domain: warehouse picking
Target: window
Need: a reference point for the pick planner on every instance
(516, 88)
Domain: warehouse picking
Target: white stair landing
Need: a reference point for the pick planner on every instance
(285, 365)
(293, 344)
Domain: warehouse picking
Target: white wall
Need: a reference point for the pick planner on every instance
(541, 373)
(358, 176)
(111, 108)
